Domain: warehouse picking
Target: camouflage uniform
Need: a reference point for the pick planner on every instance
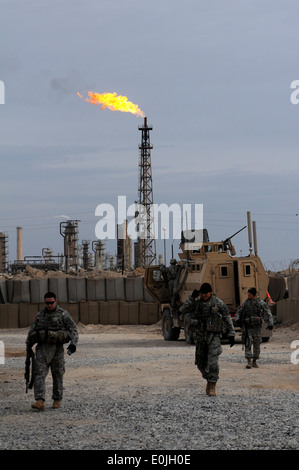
(250, 316)
(50, 330)
(209, 319)
(171, 276)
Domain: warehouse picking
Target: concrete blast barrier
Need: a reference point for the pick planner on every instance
(96, 289)
(113, 312)
(3, 292)
(148, 313)
(134, 289)
(21, 291)
(59, 287)
(89, 313)
(73, 308)
(18, 291)
(83, 316)
(9, 290)
(115, 288)
(3, 316)
(13, 316)
(76, 289)
(38, 288)
(287, 310)
(120, 288)
(93, 313)
(276, 288)
(103, 313)
(9, 316)
(109, 312)
(26, 314)
(293, 286)
(110, 289)
(128, 313)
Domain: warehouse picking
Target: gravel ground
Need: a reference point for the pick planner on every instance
(127, 389)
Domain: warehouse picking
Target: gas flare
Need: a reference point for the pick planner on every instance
(113, 101)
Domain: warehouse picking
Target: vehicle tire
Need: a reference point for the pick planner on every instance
(188, 333)
(169, 332)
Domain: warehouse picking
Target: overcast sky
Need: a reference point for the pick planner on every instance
(212, 77)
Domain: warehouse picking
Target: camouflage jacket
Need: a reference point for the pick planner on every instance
(211, 315)
(170, 272)
(254, 308)
(52, 327)
(189, 306)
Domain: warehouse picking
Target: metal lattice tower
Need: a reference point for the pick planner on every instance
(147, 242)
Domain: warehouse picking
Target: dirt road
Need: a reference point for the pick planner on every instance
(127, 388)
(170, 362)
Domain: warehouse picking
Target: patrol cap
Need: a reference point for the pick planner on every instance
(205, 288)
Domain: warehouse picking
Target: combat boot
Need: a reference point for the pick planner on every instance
(254, 364)
(212, 389)
(39, 405)
(248, 365)
(56, 404)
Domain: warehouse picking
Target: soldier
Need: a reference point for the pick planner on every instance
(171, 276)
(51, 328)
(209, 318)
(250, 316)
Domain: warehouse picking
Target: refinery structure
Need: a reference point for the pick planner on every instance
(90, 254)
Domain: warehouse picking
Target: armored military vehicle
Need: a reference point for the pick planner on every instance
(214, 262)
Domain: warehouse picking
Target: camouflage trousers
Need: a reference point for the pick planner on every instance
(207, 352)
(252, 341)
(53, 358)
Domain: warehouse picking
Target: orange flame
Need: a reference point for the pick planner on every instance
(114, 102)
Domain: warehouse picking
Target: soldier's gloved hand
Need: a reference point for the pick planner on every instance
(71, 349)
(231, 340)
(269, 327)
